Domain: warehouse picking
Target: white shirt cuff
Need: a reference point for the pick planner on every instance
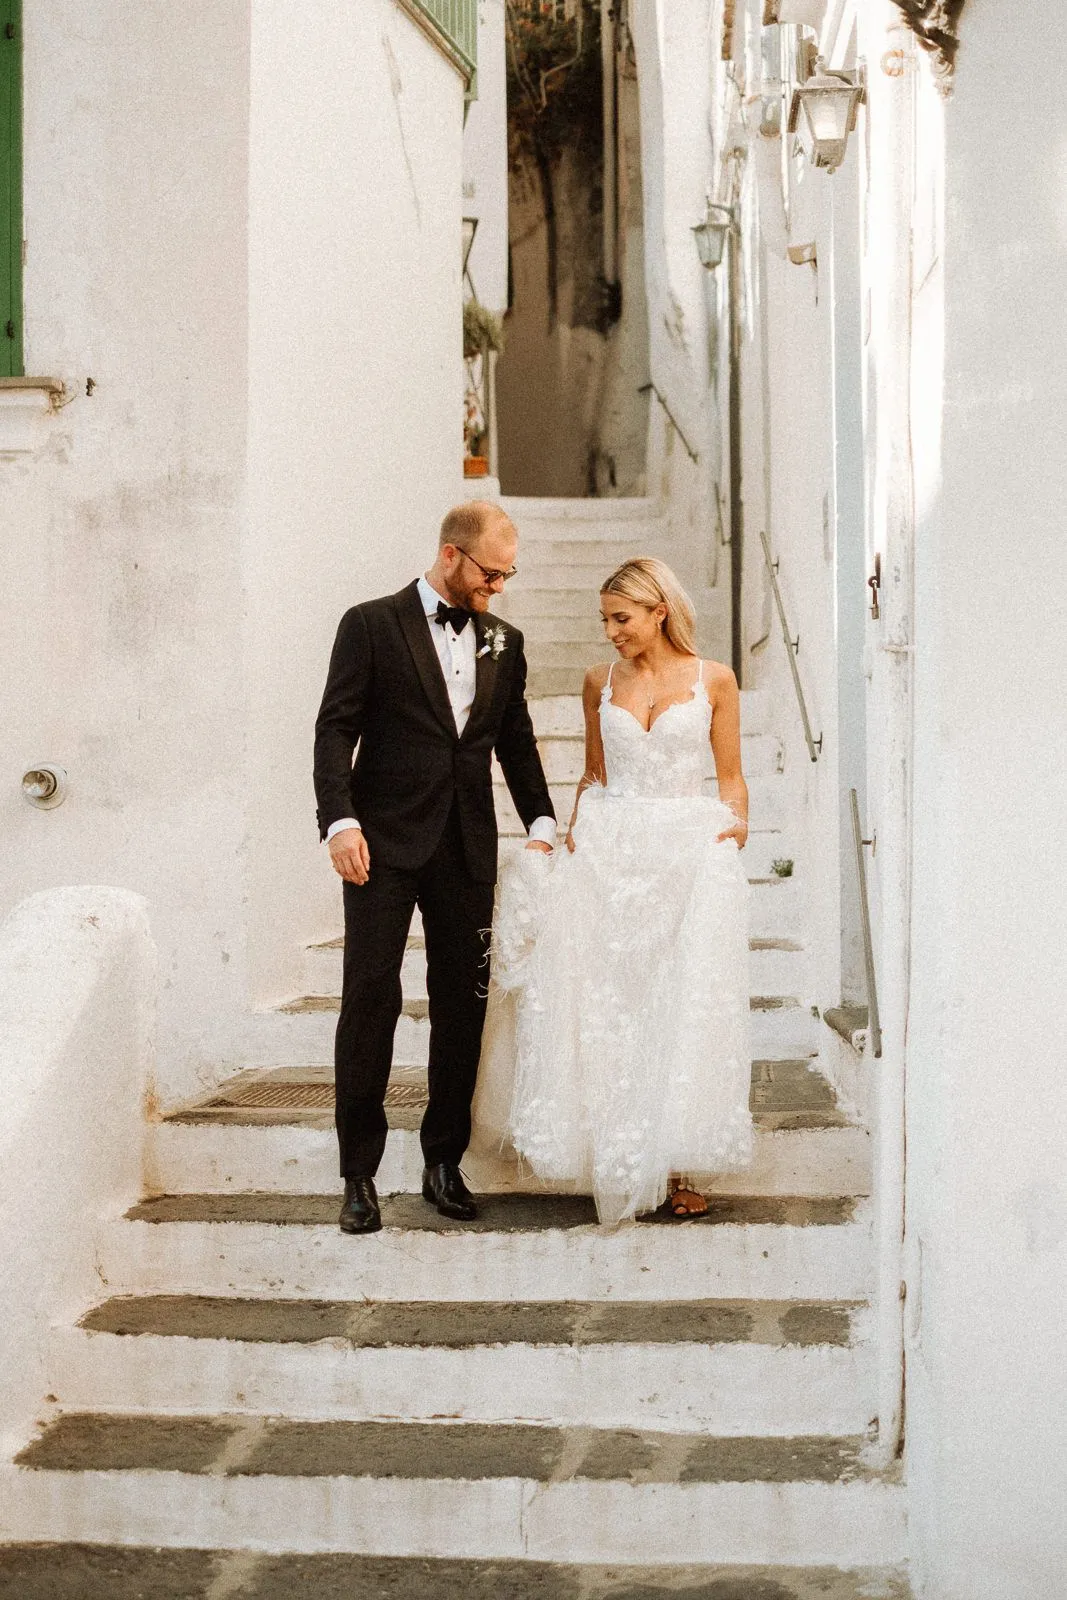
(543, 829)
(342, 822)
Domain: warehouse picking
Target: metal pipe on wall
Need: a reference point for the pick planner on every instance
(737, 503)
(611, 163)
(889, 649)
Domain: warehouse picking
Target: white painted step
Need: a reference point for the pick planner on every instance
(641, 1262)
(842, 1524)
(295, 1158)
(785, 1032)
(528, 603)
(532, 513)
(726, 1389)
(771, 971)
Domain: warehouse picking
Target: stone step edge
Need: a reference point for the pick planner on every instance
(416, 941)
(547, 1325)
(251, 1445)
(502, 1216)
(201, 1573)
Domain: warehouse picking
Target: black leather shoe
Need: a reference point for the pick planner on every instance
(444, 1188)
(359, 1211)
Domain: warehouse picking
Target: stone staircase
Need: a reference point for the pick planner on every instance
(566, 550)
(524, 1406)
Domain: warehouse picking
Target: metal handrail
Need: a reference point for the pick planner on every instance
(792, 647)
(644, 388)
(874, 1023)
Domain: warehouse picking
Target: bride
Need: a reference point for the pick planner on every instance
(616, 1058)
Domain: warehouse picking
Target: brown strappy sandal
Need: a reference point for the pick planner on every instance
(682, 1200)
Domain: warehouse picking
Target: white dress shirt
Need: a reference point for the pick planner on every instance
(456, 653)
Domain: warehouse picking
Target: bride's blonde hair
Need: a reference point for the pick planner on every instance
(651, 583)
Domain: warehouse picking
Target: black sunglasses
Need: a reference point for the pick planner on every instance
(490, 574)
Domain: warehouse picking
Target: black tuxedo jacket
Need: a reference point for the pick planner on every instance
(385, 692)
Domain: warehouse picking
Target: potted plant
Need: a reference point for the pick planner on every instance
(482, 333)
(482, 330)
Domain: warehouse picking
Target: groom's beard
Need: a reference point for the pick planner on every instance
(471, 596)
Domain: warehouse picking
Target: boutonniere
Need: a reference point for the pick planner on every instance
(494, 642)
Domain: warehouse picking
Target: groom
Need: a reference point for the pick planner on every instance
(428, 684)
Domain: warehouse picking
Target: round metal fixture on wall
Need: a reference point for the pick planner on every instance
(45, 786)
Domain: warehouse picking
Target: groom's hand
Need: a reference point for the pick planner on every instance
(350, 855)
(539, 844)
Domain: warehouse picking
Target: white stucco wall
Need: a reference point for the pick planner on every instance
(485, 161)
(121, 607)
(963, 465)
(671, 41)
(354, 397)
(791, 482)
(180, 549)
(987, 1104)
(77, 1013)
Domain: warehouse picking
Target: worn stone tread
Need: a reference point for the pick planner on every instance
(466, 1451)
(453, 1325)
(498, 1213)
(785, 1096)
(119, 1572)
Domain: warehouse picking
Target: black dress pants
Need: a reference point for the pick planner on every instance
(457, 911)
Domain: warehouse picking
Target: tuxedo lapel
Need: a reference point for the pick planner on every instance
(417, 633)
(486, 671)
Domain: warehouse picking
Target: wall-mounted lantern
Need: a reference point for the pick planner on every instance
(711, 234)
(823, 114)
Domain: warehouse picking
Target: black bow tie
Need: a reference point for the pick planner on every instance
(453, 614)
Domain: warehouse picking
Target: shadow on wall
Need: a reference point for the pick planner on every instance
(571, 419)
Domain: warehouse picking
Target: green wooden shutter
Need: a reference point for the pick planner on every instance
(10, 188)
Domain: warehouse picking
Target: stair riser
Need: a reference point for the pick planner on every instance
(597, 548)
(524, 606)
(292, 1159)
(581, 568)
(531, 512)
(784, 1035)
(770, 972)
(740, 1390)
(840, 1524)
(777, 972)
(754, 1261)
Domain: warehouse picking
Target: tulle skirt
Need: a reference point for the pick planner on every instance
(616, 1047)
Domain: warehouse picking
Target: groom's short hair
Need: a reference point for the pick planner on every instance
(465, 524)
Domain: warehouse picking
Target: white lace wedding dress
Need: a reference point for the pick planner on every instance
(616, 1043)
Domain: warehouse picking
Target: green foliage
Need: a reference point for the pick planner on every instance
(782, 867)
(553, 81)
(482, 329)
